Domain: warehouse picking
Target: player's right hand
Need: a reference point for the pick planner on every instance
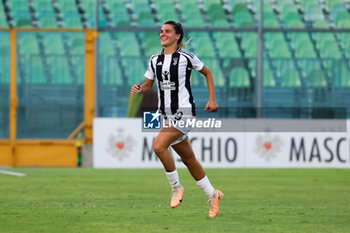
(136, 89)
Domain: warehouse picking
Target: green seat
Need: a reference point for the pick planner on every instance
(36, 68)
(304, 49)
(308, 64)
(321, 24)
(60, 73)
(345, 43)
(344, 23)
(105, 45)
(316, 79)
(135, 72)
(202, 44)
(5, 67)
(268, 77)
(290, 78)
(3, 19)
(338, 11)
(313, 12)
(76, 43)
(128, 44)
(239, 78)
(227, 44)
(289, 8)
(112, 74)
(89, 6)
(48, 22)
(239, 7)
(215, 68)
(330, 50)
(146, 19)
(243, 19)
(341, 78)
(166, 11)
(192, 15)
(119, 15)
(28, 44)
(53, 43)
(217, 16)
(249, 44)
(72, 21)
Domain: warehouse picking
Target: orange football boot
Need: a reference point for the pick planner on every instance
(214, 203)
(176, 196)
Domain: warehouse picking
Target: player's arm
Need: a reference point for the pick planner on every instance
(211, 106)
(138, 88)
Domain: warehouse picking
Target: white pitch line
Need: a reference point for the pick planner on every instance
(12, 173)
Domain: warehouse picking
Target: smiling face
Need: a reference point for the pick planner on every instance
(168, 36)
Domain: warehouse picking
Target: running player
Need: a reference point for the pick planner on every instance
(172, 67)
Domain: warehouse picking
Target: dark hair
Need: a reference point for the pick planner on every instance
(178, 30)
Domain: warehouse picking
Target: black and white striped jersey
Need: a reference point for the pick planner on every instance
(173, 75)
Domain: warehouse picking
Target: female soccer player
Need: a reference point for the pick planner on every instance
(172, 67)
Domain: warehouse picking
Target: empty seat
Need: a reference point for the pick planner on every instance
(191, 14)
(249, 44)
(3, 19)
(19, 12)
(216, 15)
(313, 12)
(341, 76)
(268, 77)
(202, 44)
(45, 13)
(53, 43)
(27, 43)
(239, 78)
(117, 13)
(290, 78)
(70, 14)
(128, 44)
(227, 44)
(89, 7)
(316, 79)
(215, 68)
(166, 11)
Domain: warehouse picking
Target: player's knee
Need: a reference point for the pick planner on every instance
(158, 148)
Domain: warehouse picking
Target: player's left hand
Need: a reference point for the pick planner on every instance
(211, 106)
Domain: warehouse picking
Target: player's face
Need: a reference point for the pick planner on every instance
(168, 36)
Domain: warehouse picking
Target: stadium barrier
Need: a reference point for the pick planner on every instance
(43, 151)
(121, 143)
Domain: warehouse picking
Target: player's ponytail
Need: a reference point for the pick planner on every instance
(179, 30)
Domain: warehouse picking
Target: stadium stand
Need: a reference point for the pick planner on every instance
(293, 60)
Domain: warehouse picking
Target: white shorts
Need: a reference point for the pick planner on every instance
(181, 125)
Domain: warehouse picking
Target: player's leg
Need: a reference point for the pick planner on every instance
(184, 149)
(161, 148)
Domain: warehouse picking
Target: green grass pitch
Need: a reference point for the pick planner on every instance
(116, 200)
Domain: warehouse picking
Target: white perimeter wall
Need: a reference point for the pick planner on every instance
(120, 143)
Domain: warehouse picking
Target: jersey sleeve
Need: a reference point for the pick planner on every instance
(196, 63)
(150, 70)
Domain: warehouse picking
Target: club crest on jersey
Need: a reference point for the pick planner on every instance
(175, 59)
(166, 84)
(165, 75)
